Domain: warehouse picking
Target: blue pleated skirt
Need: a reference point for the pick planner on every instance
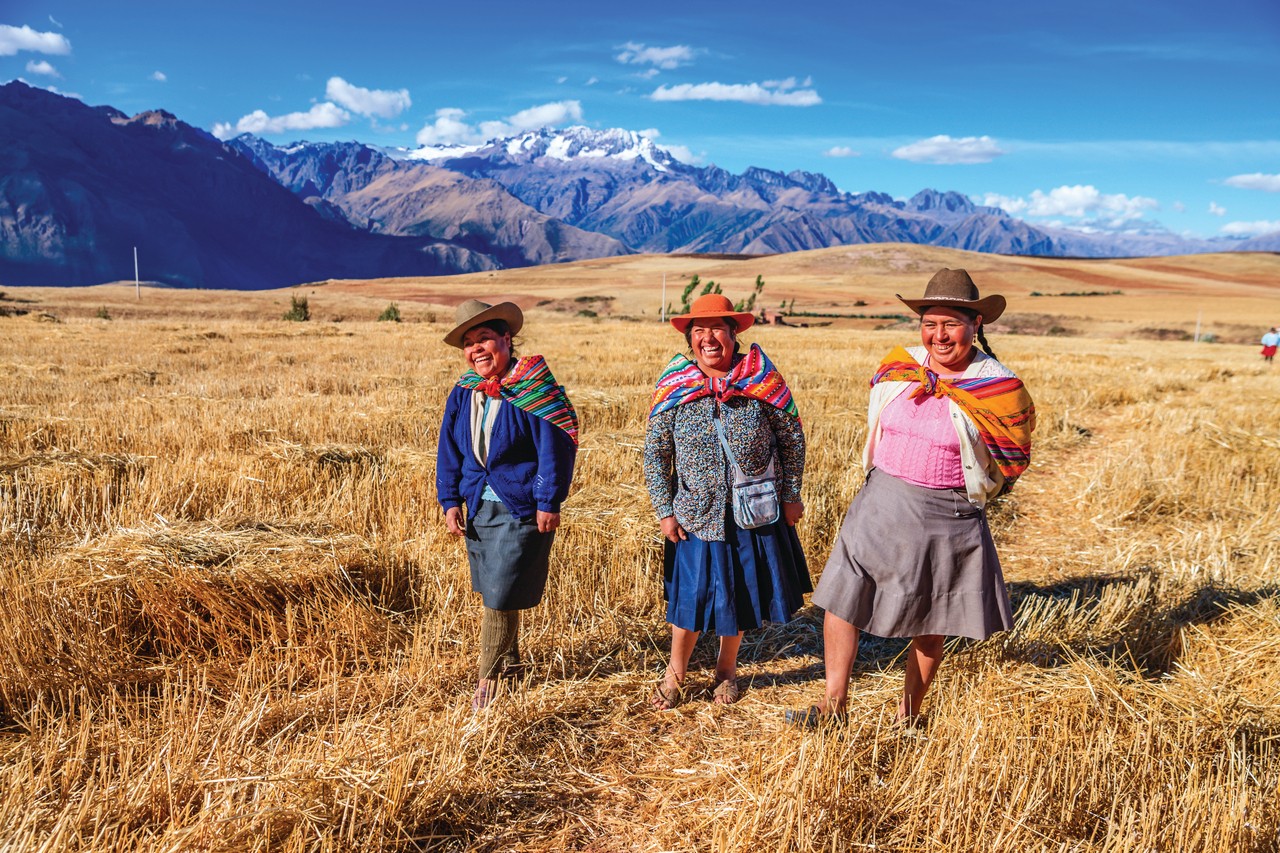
(752, 577)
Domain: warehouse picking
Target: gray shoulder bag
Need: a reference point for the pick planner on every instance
(755, 499)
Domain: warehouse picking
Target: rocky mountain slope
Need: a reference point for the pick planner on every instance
(81, 186)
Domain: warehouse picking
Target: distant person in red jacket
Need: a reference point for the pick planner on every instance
(1269, 342)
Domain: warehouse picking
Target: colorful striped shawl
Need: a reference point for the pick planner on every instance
(753, 376)
(999, 407)
(530, 386)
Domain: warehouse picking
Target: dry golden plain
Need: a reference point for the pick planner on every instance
(230, 617)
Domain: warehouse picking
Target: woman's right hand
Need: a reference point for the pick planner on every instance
(453, 520)
(672, 529)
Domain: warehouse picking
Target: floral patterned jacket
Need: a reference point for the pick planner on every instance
(685, 468)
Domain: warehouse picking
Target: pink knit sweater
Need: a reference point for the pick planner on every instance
(919, 444)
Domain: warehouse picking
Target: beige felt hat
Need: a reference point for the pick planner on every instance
(955, 289)
(473, 312)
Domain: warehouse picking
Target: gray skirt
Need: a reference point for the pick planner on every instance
(911, 561)
(509, 558)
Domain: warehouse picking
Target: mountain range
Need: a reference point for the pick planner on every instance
(80, 186)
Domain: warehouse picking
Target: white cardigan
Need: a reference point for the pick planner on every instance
(982, 478)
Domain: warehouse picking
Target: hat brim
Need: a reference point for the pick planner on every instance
(508, 311)
(990, 307)
(744, 319)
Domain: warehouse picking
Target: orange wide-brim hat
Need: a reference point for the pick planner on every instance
(708, 307)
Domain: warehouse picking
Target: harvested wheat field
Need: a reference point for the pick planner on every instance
(231, 618)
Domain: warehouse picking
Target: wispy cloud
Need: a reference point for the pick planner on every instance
(159, 76)
(14, 39)
(1251, 229)
(1217, 209)
(1255, 181)
(943, 150)
(322, 115)
(42, 67)
(449, 126)
(666, 58)
(372, 103)
(1081, 202)
(782, 93)
(841, 151)
(680, 152)
(55, 22)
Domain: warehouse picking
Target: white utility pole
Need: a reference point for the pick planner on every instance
(1198, 316)
(137, 286)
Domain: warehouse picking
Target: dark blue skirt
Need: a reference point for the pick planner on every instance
(753, 577)
(509, 557)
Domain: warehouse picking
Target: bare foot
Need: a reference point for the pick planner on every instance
(486, 692)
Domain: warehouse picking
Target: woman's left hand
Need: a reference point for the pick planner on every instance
(792, 511)
(548, 521)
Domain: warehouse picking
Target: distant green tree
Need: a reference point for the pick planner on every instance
(103, 313)
(298, 311)
(390, 314)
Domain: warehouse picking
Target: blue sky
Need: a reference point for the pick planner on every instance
(1109, 115)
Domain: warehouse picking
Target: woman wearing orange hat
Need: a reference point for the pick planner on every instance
(720, 417)
(507, 448)
(948, 428)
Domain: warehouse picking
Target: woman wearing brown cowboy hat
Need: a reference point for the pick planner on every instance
(715, 416)
(507, 447)
(948, 428)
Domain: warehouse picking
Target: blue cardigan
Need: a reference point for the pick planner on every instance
(530, 460)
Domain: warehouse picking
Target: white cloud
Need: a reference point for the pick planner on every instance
(1256, 181)
(1076, 202)
(14, 39)
(591, 81)
(159, 76)
(648, 73)
(841, 151)
(1217, 209)
(665, 58)
(42, 67)
(771, 93)
(943, 150)
(562, 80)
(55, 22)
(374, 103)
(1249, 229)
(258, 122)
(449, 127)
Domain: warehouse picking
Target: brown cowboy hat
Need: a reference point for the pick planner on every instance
(955, 289)
(712, 305)
(473, 312)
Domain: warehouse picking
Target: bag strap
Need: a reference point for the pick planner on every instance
(738, 474)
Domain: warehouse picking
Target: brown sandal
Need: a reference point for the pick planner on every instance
(726, 692)
(665, 698)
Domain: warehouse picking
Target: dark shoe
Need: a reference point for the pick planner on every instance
(814, 717)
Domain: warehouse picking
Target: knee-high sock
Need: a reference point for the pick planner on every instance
(499, 638)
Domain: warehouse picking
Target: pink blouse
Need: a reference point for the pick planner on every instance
(919, 444)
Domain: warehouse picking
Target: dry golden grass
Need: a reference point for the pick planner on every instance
(231, 619)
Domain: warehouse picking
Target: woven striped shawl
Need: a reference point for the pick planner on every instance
(530, 386)
(753, 376)
(999, 407)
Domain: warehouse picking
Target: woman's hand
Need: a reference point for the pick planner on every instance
(548, 521)
(672, 529)
(792, 511)
(453, 521)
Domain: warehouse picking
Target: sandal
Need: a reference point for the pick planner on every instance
(666, 698)
(726, 692)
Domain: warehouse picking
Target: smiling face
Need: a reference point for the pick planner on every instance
(948, 335)
(713, 341)
(487, 351)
